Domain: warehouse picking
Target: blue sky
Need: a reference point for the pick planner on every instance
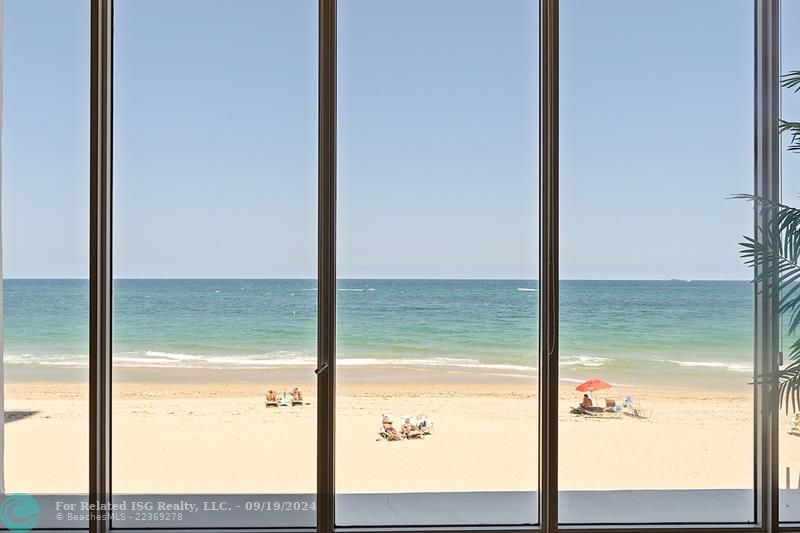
(790, 103)
(215, 138)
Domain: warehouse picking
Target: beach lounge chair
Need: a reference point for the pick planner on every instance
(297, 396)
(271, 399)
(389, 434)
(410, 429)
(635, 410)
(596, 412)
(425, 425)
(387, 431)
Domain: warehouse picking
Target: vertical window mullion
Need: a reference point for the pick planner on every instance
(326, 257)
(548, 264)
(767, 185)
(100, 262)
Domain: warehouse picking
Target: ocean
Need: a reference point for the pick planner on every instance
(629, 332)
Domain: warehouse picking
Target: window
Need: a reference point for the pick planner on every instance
(326, 290)
(437, 295)
(45, 259)
(214, 258)
(655, 302)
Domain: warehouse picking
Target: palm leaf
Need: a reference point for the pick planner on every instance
(793, 129)
(775, 255)
(791, 80)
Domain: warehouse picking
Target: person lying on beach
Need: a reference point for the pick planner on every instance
(297, 394)
(587, 402)
(410, 430)
(272, 396)
(388, 430)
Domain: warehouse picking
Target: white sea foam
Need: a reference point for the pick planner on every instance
(583, 360)
(59, 360)
(171, 356)
(291, 359)
(434, 362)
(244, 361)
(277, 359)
(288, 358)
(526, 289)
(733, 367)
(579, 381)
(267, 361)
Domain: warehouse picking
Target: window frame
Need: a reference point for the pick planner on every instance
(100, 271)
(766, 183)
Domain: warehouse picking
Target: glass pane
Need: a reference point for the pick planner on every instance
(437, 409)
(789, 436)
(215, 263)
(45, 264)
(656, 408)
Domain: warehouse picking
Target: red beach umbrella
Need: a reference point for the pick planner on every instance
(593, 385)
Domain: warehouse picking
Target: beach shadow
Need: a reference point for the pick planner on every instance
(13, 416)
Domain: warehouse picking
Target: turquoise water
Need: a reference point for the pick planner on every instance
(629, 331)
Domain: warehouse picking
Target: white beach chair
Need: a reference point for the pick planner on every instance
(388, 435)
(297, 400)
(635, 410)
(270, 403)
(425, 424)
(412, 420)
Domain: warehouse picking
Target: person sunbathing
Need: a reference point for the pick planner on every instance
(587, 402)
(297, 395)
(272, 396)
(388, 429)
(410, 430)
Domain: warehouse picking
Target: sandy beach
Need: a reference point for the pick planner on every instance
(209, 431)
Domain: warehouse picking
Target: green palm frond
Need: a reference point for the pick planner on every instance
(775, 254)
(791, 80)
(793, 129)
(789, 380)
